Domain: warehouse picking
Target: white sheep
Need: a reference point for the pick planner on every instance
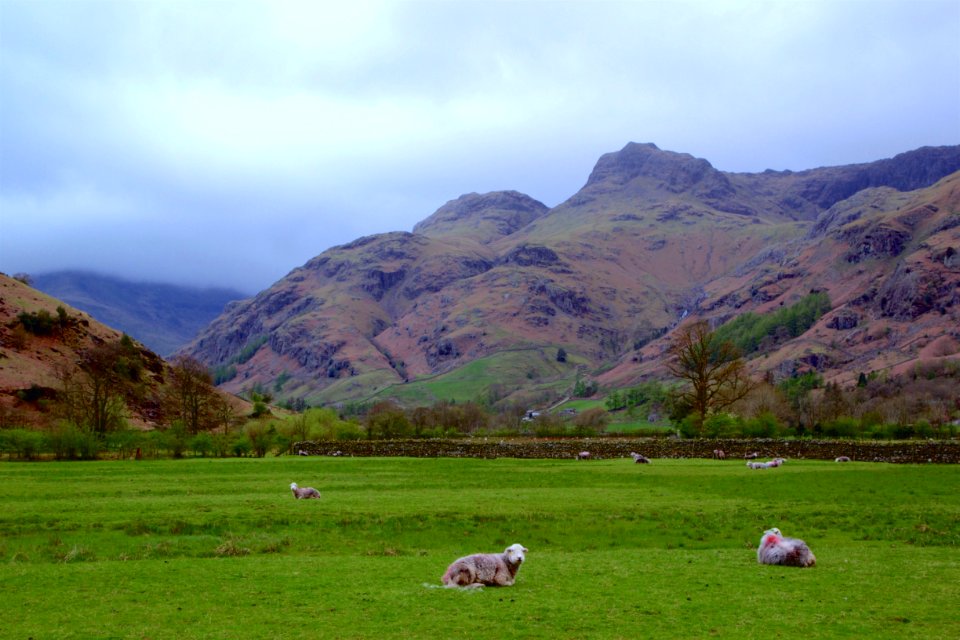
(757, 465)
(583, 455)
(719, 454)
(485, 569)
(776, 462)
(842, 459)
(304, 493)
(638, 458)
(791, 552)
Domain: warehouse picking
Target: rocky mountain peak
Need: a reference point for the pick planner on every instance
(484, 217)
(647, 160)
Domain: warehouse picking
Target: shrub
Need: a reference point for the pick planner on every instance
(260, 436)
(124, 442)
(842, 427)
(720, 425)
(221, 444)
(68, 442)
(764, 425)
(241, 447)
(591, 422)
(174, 439)
(24, 443)
(201, 444)
(39, 323)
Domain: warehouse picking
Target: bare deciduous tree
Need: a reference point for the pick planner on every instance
(191, 396)
(92, 396)
(715, 371)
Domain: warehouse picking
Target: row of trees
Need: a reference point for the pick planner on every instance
(716, 397)
(713, 397)
(67, 442)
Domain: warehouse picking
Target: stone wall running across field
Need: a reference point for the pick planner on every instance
(860, 451)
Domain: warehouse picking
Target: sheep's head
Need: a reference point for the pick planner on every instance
(293, 486)
(514, 553)
(771, 536)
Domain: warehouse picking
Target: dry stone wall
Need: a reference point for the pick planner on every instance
(941, 452)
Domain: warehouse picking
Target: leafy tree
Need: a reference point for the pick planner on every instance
(584, 388)
(715, 372)
(386, 420)
(260, 437)
(615, 401)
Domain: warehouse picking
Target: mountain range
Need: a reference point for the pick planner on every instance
(497, 296)
(164, 317)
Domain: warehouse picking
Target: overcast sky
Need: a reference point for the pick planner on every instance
(226, 143)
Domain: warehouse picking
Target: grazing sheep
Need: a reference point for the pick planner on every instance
(583, 455)
(843, 459)
(719, 454)
(490, 569)
(305, 493)
(791, 552)
(751, 456)
(638, 458)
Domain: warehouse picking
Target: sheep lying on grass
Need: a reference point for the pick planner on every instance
(638, 458)
(791, 552)
(776, 462)
(304, 493)
(485, 569)
(843, 459)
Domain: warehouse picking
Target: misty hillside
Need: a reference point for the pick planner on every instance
(479, 300)
(163, 317)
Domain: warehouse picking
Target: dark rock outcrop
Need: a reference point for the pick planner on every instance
(874, 241)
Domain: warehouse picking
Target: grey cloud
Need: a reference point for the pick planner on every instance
(227, 143)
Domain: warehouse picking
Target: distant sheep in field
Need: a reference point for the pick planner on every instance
(485, 569)
(719, 454)
(776, 462)
(583, 455)
(791, 552)
(751, 456)
(842, 459)
(638, 458)
(305, 493)
(756, 465)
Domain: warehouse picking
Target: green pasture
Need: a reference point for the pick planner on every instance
(220, 549)
(535, 369)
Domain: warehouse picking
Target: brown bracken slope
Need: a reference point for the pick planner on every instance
(32, 366)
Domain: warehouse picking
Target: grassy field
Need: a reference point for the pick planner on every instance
(220, 549)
